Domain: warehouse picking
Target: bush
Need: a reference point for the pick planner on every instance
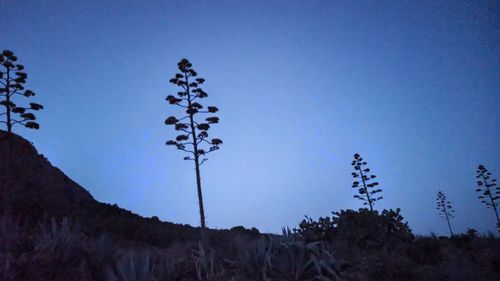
(363, 228)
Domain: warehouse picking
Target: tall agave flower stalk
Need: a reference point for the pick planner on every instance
(366, 190)
(445, 209)
(12, 80)
(489, 193)
(193, 131)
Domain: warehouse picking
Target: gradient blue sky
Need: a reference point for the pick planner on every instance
(413, 86)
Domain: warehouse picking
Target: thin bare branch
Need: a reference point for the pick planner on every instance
(18, 121)
(203, 161)
(205, 140)
(185, 150)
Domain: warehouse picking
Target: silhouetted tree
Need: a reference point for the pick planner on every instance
(12, 80)
(445, 209)
(193, 133)
(489, 192)
(366, 192)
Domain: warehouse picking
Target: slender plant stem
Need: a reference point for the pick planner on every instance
(492, 200)
(447, 219)
(196, 157)
(366, 189)
(7, 106)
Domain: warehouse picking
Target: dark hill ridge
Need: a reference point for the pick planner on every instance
(28, 180)
(30, 187)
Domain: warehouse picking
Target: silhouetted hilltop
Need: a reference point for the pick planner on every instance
(29, 184)
(34, 190)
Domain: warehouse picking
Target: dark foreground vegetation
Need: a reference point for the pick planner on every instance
(357, 250)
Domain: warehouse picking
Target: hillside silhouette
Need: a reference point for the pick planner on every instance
(31, 188)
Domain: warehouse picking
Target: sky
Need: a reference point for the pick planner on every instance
(412, 86)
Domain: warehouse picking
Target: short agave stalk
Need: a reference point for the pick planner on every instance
(489, 192)
(12, 80)
(193, 132)
(445, 209)
(366, 190)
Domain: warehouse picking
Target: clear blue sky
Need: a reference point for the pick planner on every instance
(413, 86)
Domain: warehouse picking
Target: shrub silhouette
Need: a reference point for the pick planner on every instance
(193, 134)
(366, 188)
(488, 191)
(12, 80)
(445, 209)
(311, 230)
(363, 228)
